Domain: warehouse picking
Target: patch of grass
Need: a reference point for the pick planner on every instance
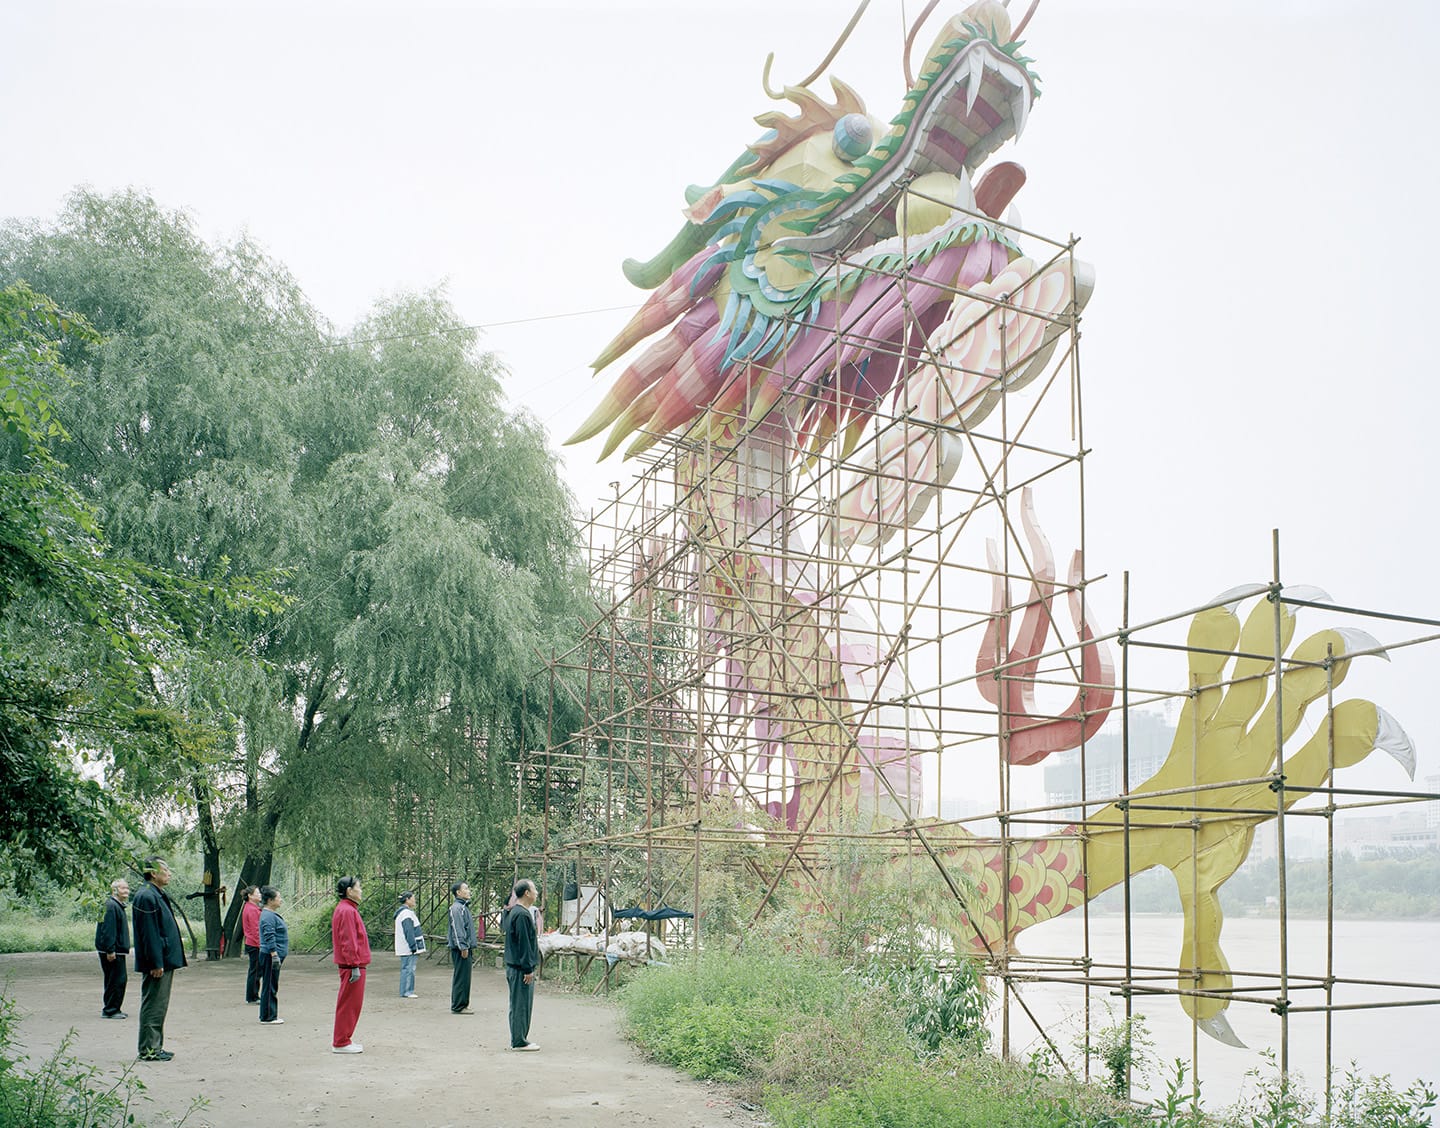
(966, 1091)
(723, 1019)
(899, 1048)
(21, 933)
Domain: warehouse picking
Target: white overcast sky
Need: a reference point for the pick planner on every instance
(1254, 183)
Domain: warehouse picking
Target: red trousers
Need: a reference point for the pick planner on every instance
(347, 1006)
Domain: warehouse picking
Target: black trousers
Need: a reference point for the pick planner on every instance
(270, 991)
(252, 975)
(154, 1003)
(114, 972)
(522, 1000)
(460, 979)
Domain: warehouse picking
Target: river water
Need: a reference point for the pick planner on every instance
(1400, 1041)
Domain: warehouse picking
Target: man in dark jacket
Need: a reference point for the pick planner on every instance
(112, 942)
(158, 952)
(462, 948)
(522, 960)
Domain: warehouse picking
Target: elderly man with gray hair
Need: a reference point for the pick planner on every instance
(112, 942)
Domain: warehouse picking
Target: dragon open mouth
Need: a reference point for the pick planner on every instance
(973, 95)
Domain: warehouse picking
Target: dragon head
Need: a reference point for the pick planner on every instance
(807, 217)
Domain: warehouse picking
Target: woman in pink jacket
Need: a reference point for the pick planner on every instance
(250, 926)
(351, 947)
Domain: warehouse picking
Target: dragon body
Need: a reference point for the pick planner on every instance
(823, 274)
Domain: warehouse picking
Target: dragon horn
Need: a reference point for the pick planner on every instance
(647, 275)
(691, 238)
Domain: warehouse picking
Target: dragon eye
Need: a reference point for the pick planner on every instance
(853, 137)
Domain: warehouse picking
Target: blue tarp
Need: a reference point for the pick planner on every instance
(664, 912)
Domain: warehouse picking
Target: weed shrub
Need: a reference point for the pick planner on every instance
(64, 1092)
(1365, 1102)
(965, 1091)
(812, 1056)
(938, 1005)
(727, 1019)
(1358, 1102)
(898, 1048)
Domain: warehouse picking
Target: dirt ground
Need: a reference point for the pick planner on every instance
(422, 1066)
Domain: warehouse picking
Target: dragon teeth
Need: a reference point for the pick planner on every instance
(1020, 109)
(977, 76)
(965, 193)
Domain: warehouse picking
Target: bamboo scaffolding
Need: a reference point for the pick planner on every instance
(674, 775)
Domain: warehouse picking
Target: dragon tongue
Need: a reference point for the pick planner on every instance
(998, 187)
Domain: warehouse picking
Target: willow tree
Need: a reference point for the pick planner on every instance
(419, 528)
(88, 635)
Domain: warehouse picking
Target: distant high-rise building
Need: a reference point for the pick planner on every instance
(1105, 775)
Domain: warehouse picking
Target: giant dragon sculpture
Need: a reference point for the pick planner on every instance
(827, 271)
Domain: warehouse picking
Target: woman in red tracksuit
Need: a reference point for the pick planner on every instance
(351, 948)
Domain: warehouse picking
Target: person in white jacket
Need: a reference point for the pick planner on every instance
(409, 943)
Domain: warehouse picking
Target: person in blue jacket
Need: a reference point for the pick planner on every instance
(274, 947)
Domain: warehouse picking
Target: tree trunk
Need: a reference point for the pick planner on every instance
(210, 854)
(254, 871)
(260, 851)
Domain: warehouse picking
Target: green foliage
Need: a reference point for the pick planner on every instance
(1179, 1107)
(1272, 1100)
(310, 927)
(1389, 888)
(794, 1024)
(64, 1092)
(421, 532)
(1374, 1102)
(88, 634)
(939, 1004)
(811, 1056)
(20, 933)
(1121, 1048)
(825, 1047)
(722, 1018)
(1369, 888)
(964, 1091)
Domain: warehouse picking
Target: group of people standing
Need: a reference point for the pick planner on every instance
(267, 943)
(521, 955)
(159, 952)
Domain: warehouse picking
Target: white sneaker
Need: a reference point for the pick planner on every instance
(352, 1048)
(271, 1021)
(412, 995)
(527, 1048)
